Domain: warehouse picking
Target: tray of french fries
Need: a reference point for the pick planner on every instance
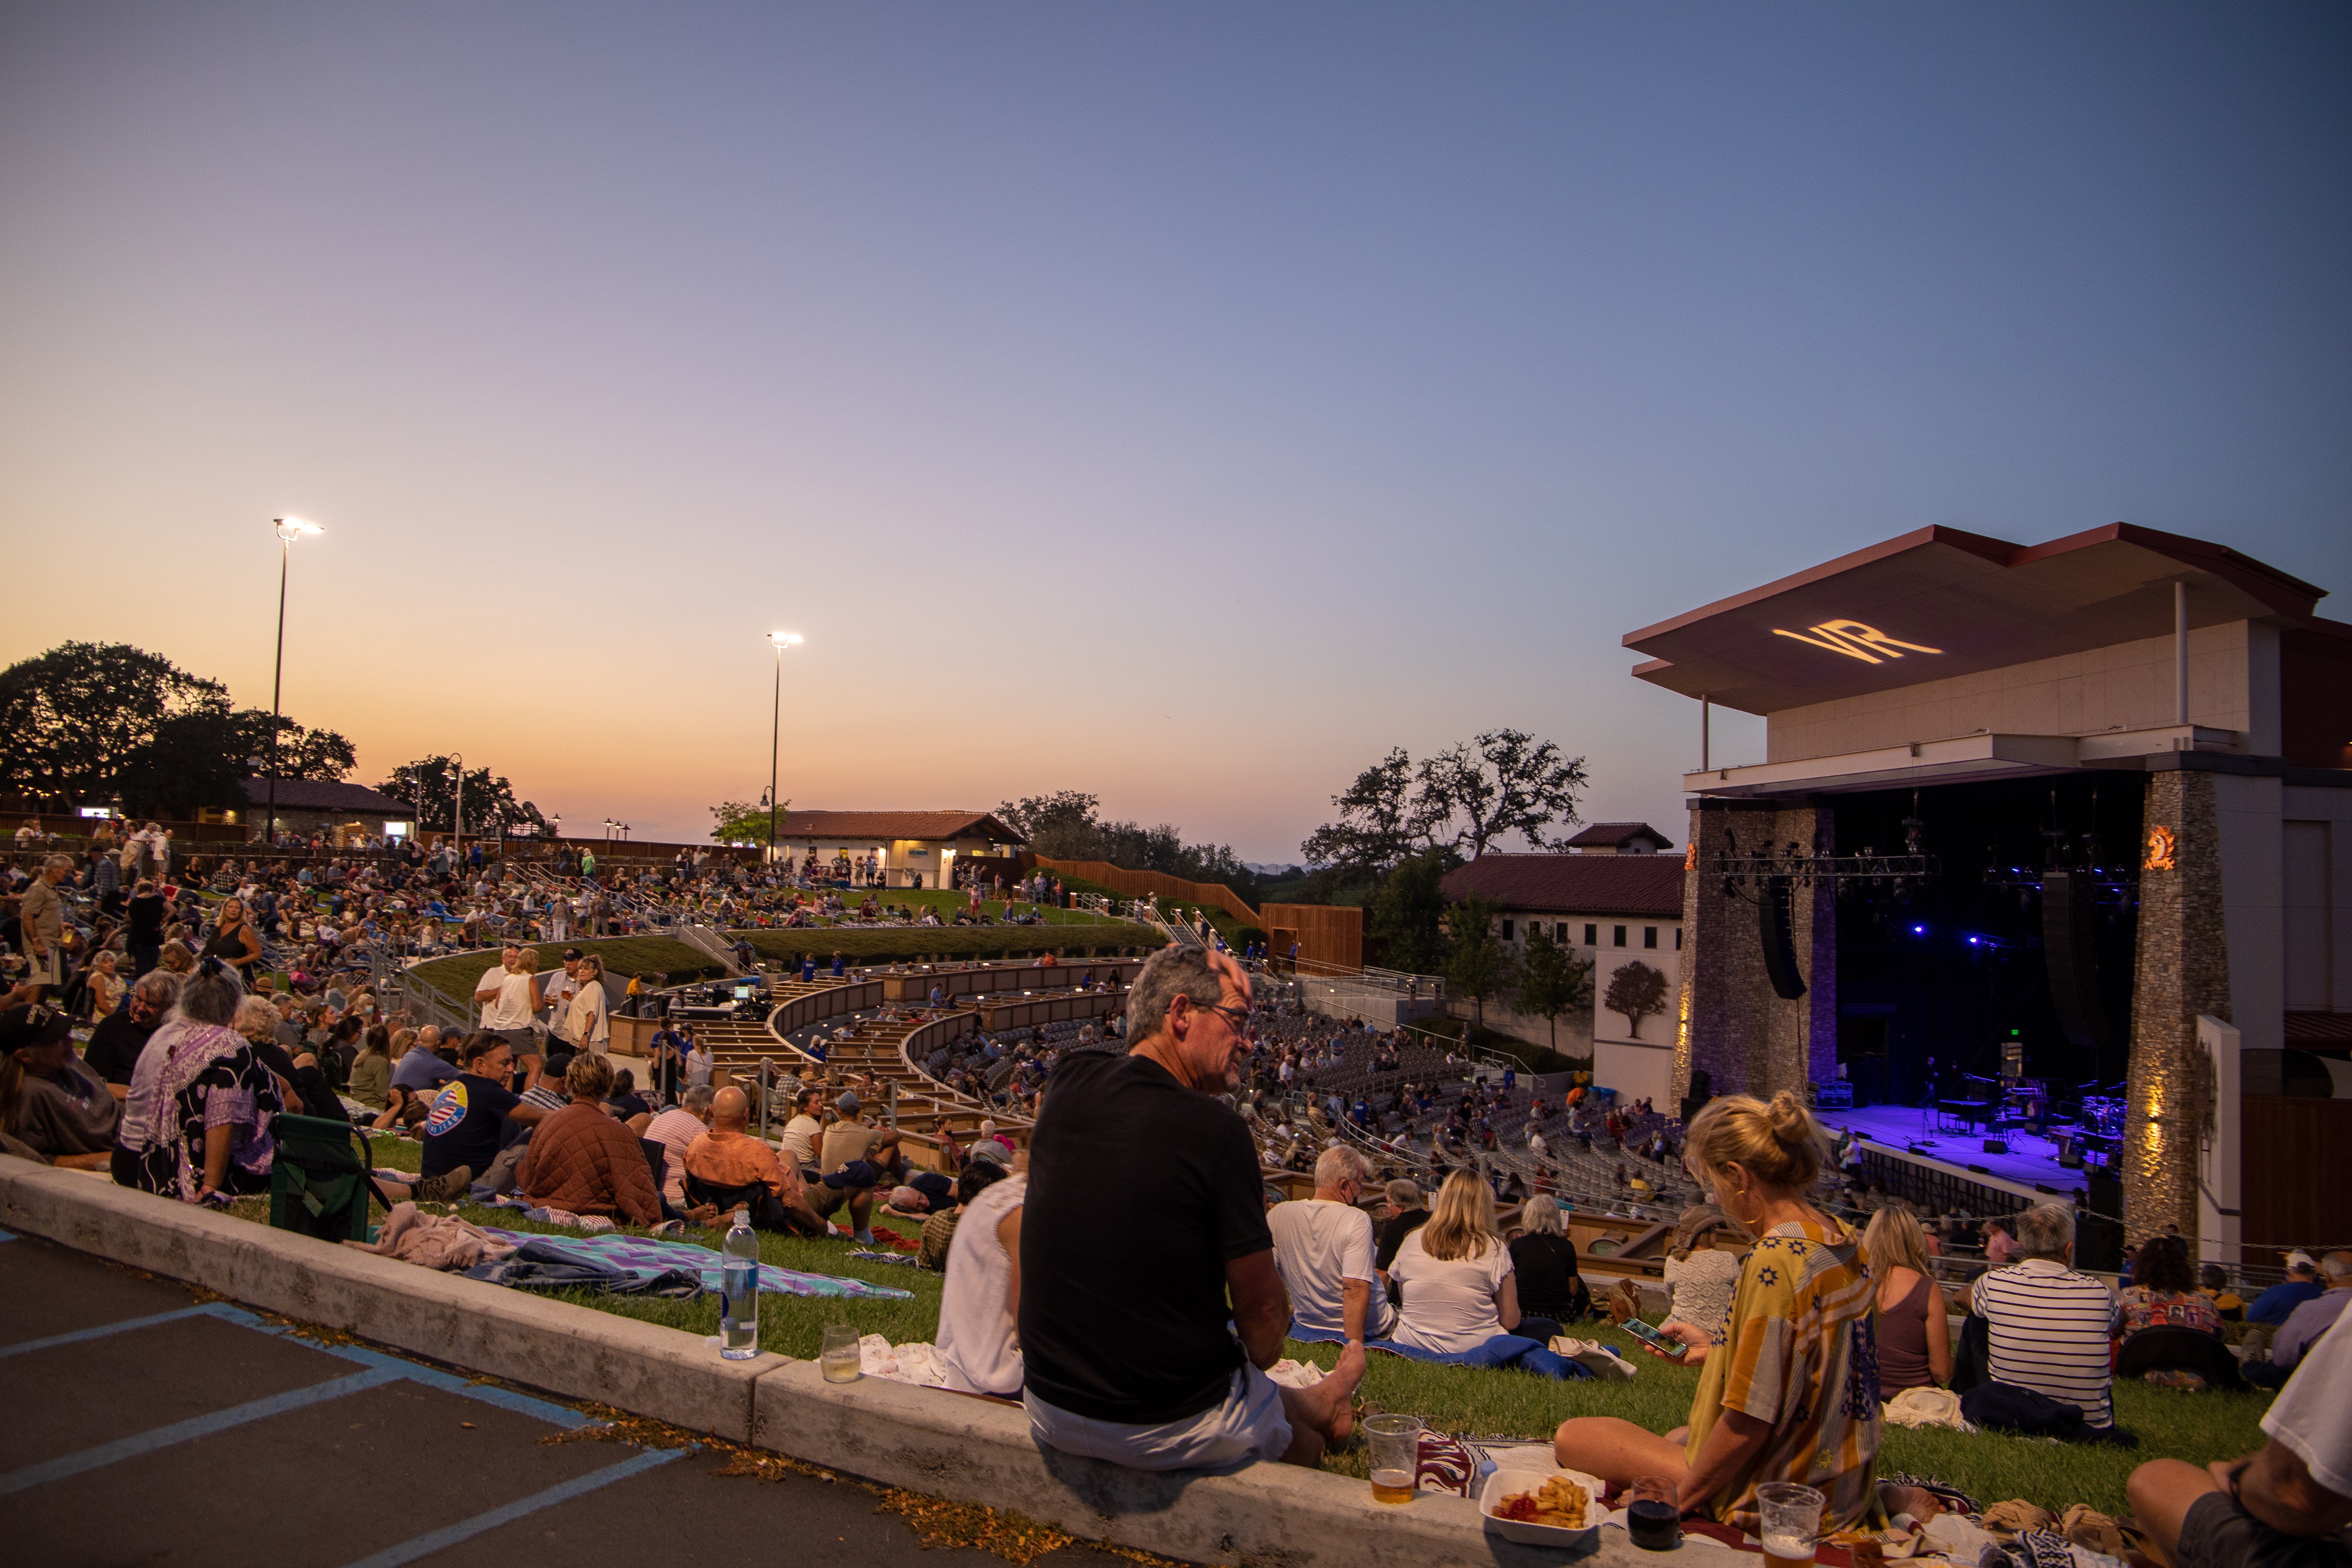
(1542, 1508)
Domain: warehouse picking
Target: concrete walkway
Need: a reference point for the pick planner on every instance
(147, 1425)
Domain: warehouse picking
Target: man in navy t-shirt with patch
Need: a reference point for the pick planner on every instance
(1131, 1352)
(462, 1132)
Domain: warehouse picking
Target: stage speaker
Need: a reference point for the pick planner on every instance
(1775, 925)
(1996, 1145)
(2070, 951)
(1702, 1090)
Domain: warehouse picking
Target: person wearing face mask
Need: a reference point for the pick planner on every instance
(1790, 1389)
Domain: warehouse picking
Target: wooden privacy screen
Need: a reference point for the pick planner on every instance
(2295, 1168)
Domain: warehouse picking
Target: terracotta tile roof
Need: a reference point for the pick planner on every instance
(881, 827)
(1575, 884)
(317, 794)
(1614, 835)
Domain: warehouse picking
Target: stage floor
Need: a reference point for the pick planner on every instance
(2032, 1162)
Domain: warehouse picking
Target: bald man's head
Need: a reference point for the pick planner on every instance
(730, 1109)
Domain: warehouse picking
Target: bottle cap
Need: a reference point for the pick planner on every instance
(743, 1217)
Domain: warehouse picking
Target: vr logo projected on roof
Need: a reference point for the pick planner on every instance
(1855, 640)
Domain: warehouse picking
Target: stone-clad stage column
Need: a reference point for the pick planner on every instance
(1729, 1022)
(2182, 970)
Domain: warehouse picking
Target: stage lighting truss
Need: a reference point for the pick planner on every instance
(1748, 873)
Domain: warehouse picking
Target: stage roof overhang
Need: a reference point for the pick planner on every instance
(1962, 760)
(1941, 602)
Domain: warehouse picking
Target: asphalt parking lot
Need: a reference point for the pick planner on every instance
(148, 1428)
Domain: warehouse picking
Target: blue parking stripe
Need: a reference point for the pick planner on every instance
(100, 1330)
(179, 1432)
(430, 1376)
(8, 1235)
(521, 1508)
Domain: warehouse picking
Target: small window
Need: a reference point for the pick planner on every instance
(1620, 942)
(1678, 939)
(1649, 936)
(1592, 936)
(1507, 930)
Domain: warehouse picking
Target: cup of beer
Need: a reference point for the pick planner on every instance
(1792, 1522)
(1395, 1442)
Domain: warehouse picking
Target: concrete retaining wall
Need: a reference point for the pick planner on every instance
(942, 1444)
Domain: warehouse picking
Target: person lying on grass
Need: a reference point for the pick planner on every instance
(1790, 1389)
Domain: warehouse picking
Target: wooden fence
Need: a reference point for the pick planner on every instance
(1170, 889)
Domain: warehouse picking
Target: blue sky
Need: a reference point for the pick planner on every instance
(1185, 403)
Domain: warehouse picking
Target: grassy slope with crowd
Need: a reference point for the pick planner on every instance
(2198, 1428)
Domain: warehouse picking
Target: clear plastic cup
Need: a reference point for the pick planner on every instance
(839, 1358)
(1395, 1443)
(1791, 1524)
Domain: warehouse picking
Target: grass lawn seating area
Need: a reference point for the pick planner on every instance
(1992, 1467)
(455, 977)
(917, 944)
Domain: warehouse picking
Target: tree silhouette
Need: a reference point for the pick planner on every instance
(1637, 991)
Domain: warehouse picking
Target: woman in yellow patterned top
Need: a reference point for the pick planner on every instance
(1789, 1392)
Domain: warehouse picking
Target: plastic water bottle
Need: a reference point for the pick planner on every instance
(739, 1291)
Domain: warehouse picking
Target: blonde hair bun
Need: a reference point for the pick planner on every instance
(1779, 1144)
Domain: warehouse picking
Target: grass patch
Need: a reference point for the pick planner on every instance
(454, 977)
(948, 901)
(2198, 1428)
(907, 944)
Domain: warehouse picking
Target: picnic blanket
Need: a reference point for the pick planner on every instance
(641, 1254)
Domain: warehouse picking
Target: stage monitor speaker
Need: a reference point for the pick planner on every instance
(1775, 924)
(1996, 1145)
(2070, 951)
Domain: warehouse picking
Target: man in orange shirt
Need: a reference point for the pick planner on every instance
(728, 1166)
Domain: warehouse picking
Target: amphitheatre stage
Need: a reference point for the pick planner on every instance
(2030, 1168)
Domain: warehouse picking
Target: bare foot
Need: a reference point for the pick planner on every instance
(1339, 1385)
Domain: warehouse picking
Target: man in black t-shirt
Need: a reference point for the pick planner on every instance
(1132, 1353)
(462, 1132)
(115, 1043)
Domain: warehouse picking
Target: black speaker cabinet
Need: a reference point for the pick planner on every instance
(1775, 926)
(2070, 951)
(1996, 1145)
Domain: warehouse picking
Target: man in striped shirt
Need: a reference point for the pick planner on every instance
(2050, 1325)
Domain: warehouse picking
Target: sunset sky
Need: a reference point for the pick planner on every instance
(1181, 403)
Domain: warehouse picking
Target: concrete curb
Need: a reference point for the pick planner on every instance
(942, 1444)
(572, 1350)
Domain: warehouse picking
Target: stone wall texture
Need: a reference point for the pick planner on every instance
(2182, 970)
(1729, 1022)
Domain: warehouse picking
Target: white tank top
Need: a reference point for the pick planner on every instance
(977, 1340)
(510, 1008)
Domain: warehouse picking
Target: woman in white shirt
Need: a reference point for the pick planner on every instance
(515, 1006)
(588, 1024)
(981, 1304)
(1454, 1274)
(1702, 1278)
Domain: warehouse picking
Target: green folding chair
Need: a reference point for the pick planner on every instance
(318, 1186)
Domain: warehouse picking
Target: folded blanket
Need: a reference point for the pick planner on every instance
(545, 1263)
(432, 1240)
(643, 1252)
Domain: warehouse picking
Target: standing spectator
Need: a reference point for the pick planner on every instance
(588, 1022)
(233, 942)
(1127, 1351)
(42, 916)
(2047, 1326)
(1323, 1251)
(144, 928)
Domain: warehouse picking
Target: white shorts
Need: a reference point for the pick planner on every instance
(1249, 1426)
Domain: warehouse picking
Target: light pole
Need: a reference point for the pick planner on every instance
(289, 530)
(776, 735)
(457, 818)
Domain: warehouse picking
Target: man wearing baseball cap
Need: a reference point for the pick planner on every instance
(52, 1108)
(2276, 1305)
(851, 1170)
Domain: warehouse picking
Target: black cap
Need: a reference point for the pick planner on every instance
(26, 1028)
(571, 953)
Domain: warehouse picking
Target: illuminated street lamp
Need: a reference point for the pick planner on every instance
(776, 735)
(289, 530)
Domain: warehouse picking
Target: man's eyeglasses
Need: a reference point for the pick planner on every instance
(1238, 1017)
